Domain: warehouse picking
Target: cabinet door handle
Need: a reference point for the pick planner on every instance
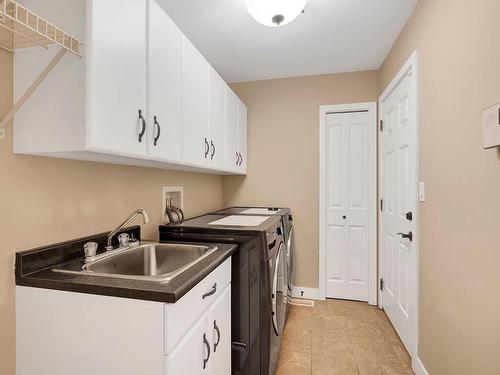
(213, 150)
(205, 341)
(208, 294)
(241, 159)
(207, 148)
(157, 124)
(143, 130)
(218, 335)
(408, 235)
(237, 158)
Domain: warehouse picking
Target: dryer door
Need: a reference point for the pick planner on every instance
(279, 292)
(289, 255)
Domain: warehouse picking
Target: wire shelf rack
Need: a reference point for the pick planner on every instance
(22, 28)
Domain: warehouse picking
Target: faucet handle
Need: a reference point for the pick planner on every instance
(90, 249)
(123, 239)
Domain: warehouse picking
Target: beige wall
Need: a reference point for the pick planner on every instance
(46, 200)
(283, 151)
(459, 234)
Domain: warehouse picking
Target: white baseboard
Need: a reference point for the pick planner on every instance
(307, 293)
(418, 367)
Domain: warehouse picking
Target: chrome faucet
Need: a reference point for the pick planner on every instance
(125, 222)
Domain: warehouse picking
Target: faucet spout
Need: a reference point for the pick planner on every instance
(145, 218)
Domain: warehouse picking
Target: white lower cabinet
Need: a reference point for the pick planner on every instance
(206, 348)
(80, 334)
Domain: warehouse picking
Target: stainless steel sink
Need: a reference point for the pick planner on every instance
(148, 262)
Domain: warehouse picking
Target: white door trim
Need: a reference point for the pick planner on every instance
(371, 108)
(410, 68)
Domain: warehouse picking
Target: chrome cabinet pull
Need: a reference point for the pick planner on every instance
(218, 335)
(143, 130)
(213, 150)
(208, 294)
(205, 360)
(157, 124)
(207, 148)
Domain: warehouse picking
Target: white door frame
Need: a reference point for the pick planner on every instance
(324, 110)
(410, 68)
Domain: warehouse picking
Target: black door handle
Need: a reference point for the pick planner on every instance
(344, 217)
(409, 216)
(205, 360)
(207, 148)
(143, 130)
(218, 335)
(157, 124)
(237, 158)
(208, 294)
(408, 235)
(213, 150)
(240, 346)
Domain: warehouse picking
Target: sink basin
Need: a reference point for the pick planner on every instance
(149, 262)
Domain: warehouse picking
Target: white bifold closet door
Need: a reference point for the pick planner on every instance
(348, 206)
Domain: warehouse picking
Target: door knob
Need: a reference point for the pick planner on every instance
(408, 235)
(344, 217)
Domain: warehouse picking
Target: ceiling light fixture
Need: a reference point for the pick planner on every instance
(275, 13)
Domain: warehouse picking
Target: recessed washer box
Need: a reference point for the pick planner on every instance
(491, 126)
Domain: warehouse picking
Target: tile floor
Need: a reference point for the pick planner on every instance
(341, 338)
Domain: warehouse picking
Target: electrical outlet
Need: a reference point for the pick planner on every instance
(2, 133)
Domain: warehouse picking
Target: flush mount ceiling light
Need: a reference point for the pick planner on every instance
(275, 13)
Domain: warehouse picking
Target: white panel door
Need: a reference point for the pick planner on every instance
(232, 132)
(217, 120)
(193, 355)
(348, 207)
(398, 190)
(196, 146)
(115, 71)
(164, 86)
(220, 338)
(242, 136)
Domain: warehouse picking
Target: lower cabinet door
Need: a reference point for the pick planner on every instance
(220, 334)
(193, 355)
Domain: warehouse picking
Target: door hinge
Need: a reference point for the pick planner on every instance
(381, 284)
(381, 205)
(381, 125)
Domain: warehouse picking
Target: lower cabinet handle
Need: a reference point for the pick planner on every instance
(143, 130)
(218, 336)
(157, 124)
(205, 341)
(208, 294)
(241, 159)
(237, 158)
(207, 148)
(213, 150)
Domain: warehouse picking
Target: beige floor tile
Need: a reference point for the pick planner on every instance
(342, 338)
(293, 363)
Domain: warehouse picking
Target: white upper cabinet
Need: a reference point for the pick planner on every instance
(232, 142)
(217, 120)
(141, 93)
(115, 77)
(242, 136)
(164, 86)
(196, 146)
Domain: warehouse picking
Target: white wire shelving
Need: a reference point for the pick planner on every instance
(22, 28)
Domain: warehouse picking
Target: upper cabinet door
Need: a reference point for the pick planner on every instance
(165, 86)
(232, 155)
(196, 144)
(115, 77)
(242, 136)
(217, 120)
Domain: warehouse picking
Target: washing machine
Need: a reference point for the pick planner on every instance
(287, 220)
(259, 282)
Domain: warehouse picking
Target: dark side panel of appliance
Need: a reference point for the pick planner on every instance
(245, 287)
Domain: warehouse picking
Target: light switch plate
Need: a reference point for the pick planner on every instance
(421, 192)
(2, 133)
(491, 126)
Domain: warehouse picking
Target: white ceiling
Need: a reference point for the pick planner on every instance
(332, 36)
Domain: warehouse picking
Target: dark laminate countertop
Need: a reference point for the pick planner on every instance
(34, 269)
